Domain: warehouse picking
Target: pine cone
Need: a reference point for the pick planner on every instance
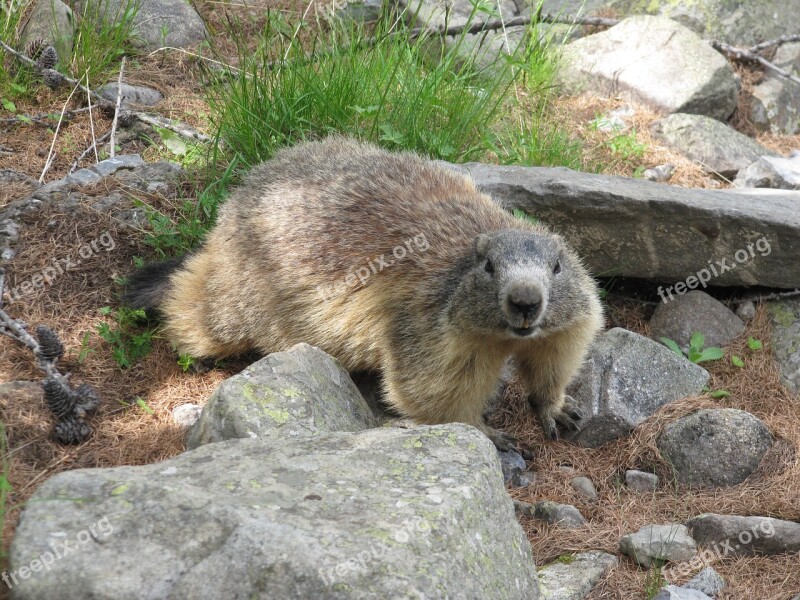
(126, 118)
(71, 430)
(52, 79)
(59, 398)
(50, 347)
(48, 58)
(87, 400)
(35, 48)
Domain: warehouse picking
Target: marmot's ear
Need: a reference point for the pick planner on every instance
(482, 245)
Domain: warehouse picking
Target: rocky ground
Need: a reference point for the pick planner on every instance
(680, 465)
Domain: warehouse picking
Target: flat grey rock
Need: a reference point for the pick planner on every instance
(654, 61)
(640, 481)
(694, 311)
(659, 543)
(626, 378)
(735, 535)
(785, 340)
(574, 578)
(716, 447)
(385, 513)
(109, 166)
(715, 146)
(186, 415)
(674, 592)
(131, 95)
(633, 228)
(299, 392)
(770, 172)
(707, 581)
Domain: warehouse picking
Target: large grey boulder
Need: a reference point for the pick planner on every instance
(695, 311)
(654, 61)
(771, 172)
(659, 543)
(626, 378)
(160, 23)
(785, 340)
(574, 577)
(775, 102)
(633, 228)
(302, 391)
(386, 513)
(52, 22)
(715, 447)
(716, 147)
(742, 22)
(732, 535)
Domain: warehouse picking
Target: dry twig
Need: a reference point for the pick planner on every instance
(747, 55)
(116, 108)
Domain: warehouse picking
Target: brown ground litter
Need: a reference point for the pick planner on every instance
(774, 490)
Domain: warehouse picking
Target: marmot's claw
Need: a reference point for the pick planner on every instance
(550, 428)
(502, 441)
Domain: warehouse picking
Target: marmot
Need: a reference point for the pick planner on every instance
(390, 263)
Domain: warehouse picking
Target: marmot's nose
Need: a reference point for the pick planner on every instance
(526, 301)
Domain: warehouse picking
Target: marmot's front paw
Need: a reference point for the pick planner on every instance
(568, 417)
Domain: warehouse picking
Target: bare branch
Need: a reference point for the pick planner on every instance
(513, 22)
(51, 154)
(746, 55)
(116, 108)
(92, 147)
(784, 39)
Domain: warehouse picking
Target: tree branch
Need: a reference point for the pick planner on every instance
(746, 55)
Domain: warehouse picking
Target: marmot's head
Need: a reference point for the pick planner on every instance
(521, 284)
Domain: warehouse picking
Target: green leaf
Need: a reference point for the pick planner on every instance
(720, 394)
(85, 349)
(106, 310)
(712, 353)
(737, 361)
(9, 105)
(698, 341)
(754, 344)
(672, 345)
(25, 119)
(143, 405)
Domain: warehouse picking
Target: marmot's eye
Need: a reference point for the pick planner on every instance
(489, 266)
(557, 267)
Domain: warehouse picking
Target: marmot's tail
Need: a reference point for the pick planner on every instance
(147, 287)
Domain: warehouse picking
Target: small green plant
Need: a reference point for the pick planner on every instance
(5, 486)
(144, 406)
(654, 580)
(719, 393)
(185, 362)
(626, 146)
(521, 214)
(85, 350)
(566, 559)
(754, 344)
(737, 361)
(696, 353)
(129, 343)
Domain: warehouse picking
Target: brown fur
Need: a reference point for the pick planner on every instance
(276, 270)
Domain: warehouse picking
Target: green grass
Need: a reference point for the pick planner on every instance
(388, 88)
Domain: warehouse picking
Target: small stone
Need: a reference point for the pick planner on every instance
(715, 447)
(584, 486)
(521, 480)
(681, 316)
(512, 464)
(707, 581)
(674, 592)
(746, 310)
(670, 542)
(563, 515)
(574, 577)
(640, 481)
(661, 173)
(186, 415)
(82, 177)
(131, 95)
